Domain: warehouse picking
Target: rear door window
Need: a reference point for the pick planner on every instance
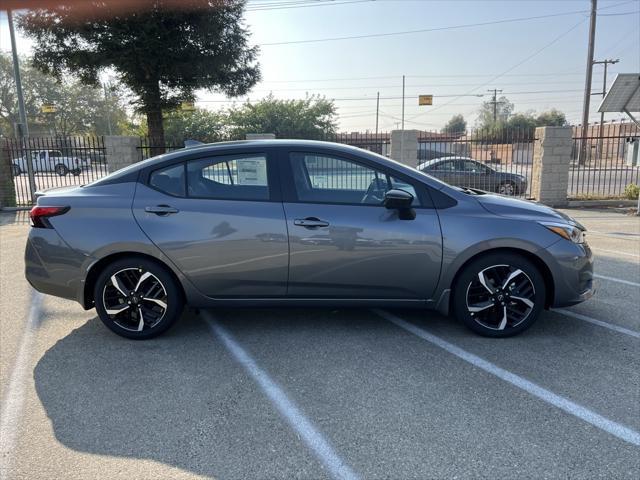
(229, 177)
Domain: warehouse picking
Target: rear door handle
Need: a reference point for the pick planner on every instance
(161, 210)
(310, 222)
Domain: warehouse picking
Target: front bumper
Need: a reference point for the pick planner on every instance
(572, 271)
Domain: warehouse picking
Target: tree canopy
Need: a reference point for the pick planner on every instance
(313, 118)
(162, 54)
(80, 109)
(504, 109)
(456, 124)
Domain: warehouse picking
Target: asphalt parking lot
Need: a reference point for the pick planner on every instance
(234, 394)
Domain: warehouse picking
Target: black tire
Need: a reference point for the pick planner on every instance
(470, 293)
(15, 170)
(159, 284)
(61, 169)
(508, 188)
(76, 172)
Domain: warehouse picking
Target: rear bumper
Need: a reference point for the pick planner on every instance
(51, 266)
(572, 273)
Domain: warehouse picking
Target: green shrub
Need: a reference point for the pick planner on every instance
(631, 191)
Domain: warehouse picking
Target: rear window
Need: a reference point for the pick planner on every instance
(229, 177)
(169, 180)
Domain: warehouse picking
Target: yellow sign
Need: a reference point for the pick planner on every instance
(425, 99)
(188, 106)
(48, 108)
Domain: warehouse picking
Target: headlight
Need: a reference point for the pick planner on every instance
(568, 232)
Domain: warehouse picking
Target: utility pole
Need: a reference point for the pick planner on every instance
(582, 158)
(23, 127)
(402, 134)
(495, 104)
(403, 103)
(606, 63)
(107, 105)
(377, 111)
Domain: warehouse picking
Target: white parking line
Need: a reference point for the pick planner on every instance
(595, 321)
(619, 236)
(14, 394)
(622, 432)
(615, 252)
(294, 416)
(617, 280)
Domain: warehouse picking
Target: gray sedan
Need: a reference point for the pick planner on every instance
(466, 172)
(274, 223)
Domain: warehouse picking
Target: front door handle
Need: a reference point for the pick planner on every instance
(161, 210)
(310, 222)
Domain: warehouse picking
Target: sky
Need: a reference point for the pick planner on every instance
(539, 63)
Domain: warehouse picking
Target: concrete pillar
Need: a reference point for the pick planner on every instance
(121, 151)
(404, 147)
(260, 136)
(551, 159)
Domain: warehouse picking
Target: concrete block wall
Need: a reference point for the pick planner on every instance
(121, 151)
(260, 136)
(551, 160)
(404, 147)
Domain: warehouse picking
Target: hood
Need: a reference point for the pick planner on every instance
(523, 209)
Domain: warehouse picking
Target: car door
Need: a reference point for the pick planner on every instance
(444, 170)
(344, 243)
(220, 220)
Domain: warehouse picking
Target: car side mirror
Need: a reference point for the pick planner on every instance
(396, 199)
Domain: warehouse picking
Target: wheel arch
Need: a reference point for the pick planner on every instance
(532, 257)
(100, 265)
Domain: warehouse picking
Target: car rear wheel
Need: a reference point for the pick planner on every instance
(137, 298)
(15, 170)
(507, 188)
(499, 295)
(61, 169)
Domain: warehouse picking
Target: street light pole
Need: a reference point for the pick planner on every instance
(23, 127)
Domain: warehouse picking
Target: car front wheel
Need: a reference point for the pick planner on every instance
(507, 188)
(499, 295)
(61, 169)
(137, 298)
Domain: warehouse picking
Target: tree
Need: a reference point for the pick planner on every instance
(312, 118)
(202, 125)
(504, 109)
(80, 109)
(456, 124)
(551, 118)
(163, 55)
(521, 124)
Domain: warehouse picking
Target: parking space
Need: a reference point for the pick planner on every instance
(308, 394)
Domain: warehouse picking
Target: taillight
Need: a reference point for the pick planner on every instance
(40, 215)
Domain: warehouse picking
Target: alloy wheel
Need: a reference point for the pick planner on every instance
(135, 299)
(507, 189)
(500, 297)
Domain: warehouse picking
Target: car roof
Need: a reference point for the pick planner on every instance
(176, 155)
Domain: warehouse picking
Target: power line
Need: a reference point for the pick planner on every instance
(436, 29)
(295, 5)
(386, 77)
(513, 67)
